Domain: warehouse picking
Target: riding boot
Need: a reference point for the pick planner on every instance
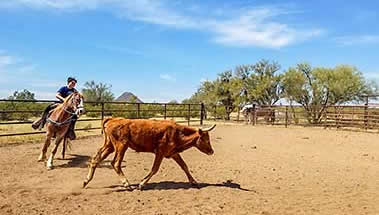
(71, 131)
(39, 124)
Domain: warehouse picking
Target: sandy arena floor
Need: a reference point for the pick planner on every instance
(255, 170)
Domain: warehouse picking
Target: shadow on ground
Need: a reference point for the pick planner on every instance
(171, 185)
(82, 161)
(78, 161)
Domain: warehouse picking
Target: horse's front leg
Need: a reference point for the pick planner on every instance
(49, 163)
(42, 156)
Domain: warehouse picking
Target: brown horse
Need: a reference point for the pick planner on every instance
(58, 124)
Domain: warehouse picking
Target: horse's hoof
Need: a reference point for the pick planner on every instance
(85, 184)
(49, 167)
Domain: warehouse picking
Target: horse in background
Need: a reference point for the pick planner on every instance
(58, 123)
(251, 110)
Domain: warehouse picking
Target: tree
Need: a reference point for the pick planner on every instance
(19, 95)
(97, 92)
(317, 88)
(264, 85)
(173, 102)
(258, 83)
(204, 94)
(22, 95)
(242, 83)
(227, 91)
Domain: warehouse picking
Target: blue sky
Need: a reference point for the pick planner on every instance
(161, 50)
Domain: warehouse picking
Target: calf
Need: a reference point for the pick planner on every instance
(165, 139)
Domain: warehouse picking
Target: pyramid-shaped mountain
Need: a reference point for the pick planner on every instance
(128, 97)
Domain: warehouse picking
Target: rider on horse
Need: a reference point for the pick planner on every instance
(62, 93)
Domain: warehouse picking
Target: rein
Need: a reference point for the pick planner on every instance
(59, 124)
(67, 111)
(69, 120)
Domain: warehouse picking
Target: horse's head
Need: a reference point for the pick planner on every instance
(75, 102)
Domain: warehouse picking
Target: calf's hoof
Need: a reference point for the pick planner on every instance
(128, 187)
(41, 158)
(140, 187)
(194, 184)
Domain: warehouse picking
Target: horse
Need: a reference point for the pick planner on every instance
(58, 123)
(250, 111)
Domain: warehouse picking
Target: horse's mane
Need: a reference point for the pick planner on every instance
(68, 98)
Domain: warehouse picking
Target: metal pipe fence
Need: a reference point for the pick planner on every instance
(21, 112)
(363, 116)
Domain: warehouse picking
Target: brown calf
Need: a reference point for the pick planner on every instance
(165, 139)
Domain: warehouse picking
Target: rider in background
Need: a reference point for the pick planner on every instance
(62, 93)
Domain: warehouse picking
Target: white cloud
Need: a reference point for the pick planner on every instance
(255, 29)
(6, 60)
(41, 4)
(357, 40)
(233, 27)
(167, 77)
(12, 68)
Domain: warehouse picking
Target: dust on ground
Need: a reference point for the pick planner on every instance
(255, 170)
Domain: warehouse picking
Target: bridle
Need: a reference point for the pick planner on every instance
(74, 107)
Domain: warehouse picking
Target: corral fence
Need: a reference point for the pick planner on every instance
(363, 115)
(16, 116)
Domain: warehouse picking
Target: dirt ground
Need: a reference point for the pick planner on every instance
(255, 170)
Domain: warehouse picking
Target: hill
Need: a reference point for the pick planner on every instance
(128, 97)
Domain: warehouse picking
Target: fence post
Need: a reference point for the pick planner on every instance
(326, 117)
(102, 115)
(366, 114)
(201, 113)
(189, 114)
(335, 116)
(254, 114)
(165, 111)
(138, 110)
(286, 116)
(238, 114)
(215, 113)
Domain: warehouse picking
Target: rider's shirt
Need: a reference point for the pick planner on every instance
(65, 91)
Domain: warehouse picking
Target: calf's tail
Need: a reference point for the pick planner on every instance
(103, 125)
